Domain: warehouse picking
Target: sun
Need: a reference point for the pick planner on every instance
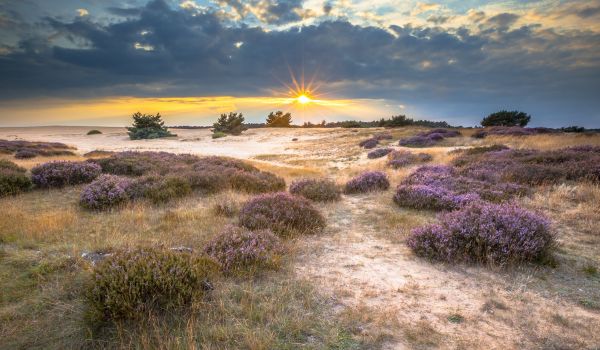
(303, 99)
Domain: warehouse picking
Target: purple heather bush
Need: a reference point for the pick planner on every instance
(383, 136)
(13, 179)
(431, 197)
(130, 284)
(378, 153)
(444, 133)
(159, 189)
(62, 173)
(512, 131)
(369, 143)
(282, 213)
(237, 248)
(105, 192)
(398, 159)
(25, 154)
(26, 148)
(485, 233)
(417, 141)
(319, 190)
(143, 163)
(367, 182)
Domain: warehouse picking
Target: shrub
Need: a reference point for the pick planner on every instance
(148, 126)
(369, 143)
(320, 190)
(237, 248)
(232, 123)
(378, 153)
(279, 120)
(443, 133)
(141, 163)
(13, 179)
(485, 233)
(131, 283)
(282, 213)
(418, 141)
(105, 192)
(383, 136)
(218, 134)
(256, 181)
(431, 197)
(398, 159)
(506, 118)
(94, 132)
(38, 148)
(62, 173)
(25, 154)
(159, 189)
(367, 182)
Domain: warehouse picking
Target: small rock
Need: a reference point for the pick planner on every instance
(95, 257)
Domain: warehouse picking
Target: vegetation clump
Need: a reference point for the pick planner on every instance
(369, 143)
(148, 126)
(229, 124)
(28, 149)
(237, 248)
(428, 138)
(63, 173)
(367, 182)
(282, 213)
(402, 158)
(105, 192)
(132, 283)
(25, 154)
(431, 197)
(378, 153)
(13, 179)
(279, 120)
(319, 190)
(159, 189)
(506, 118)
(485, 233)
(94, 132)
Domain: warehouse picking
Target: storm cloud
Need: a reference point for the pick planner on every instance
(158, 49)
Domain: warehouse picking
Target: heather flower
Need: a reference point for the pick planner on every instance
(25, 154)
(281, 212)
(378, 153)
(485, 233)
(431, 197)
(417, 141)
(28, 149)
(238, 248)
(320, 190)
(369, 143)
(105, 192)
(398, 159)
(62, 173)
(367, 182)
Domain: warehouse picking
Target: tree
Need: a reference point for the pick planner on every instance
(232, 123)
(148, 126)
(506, 118)
(279, 120)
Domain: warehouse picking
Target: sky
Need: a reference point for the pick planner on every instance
(95, 62)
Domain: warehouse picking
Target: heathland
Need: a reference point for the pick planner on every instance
(299, 239)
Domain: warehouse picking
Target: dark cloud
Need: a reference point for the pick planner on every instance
(438, 19)
(327, 7)
(274, 12)
(588, 12)
(166, 51)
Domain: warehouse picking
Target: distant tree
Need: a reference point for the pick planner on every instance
(573, 128)
(506, 118)
(279, 120)
(148, 126)
(232, 123)
(396, 121)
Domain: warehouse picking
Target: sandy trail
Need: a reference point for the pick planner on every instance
(414, 300)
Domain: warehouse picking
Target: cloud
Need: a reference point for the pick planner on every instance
(442, 71)
(422, 7)
(82, 12)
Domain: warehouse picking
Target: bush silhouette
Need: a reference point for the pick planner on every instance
(232, 123)
(279, 120)
(506, 118)
(148, 126)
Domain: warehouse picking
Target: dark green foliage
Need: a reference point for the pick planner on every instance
(393, 122)
(232, 123)
(148, 126)
(94, 132)
(506, 118)
(131, 283)
(218, 134)
(279, 120)
(13, 179)
(573, 129)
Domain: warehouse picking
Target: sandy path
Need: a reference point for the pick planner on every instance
(412, 301)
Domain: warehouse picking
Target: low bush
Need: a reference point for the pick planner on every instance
(398, 159)
(444, 133)
(63, 173)
(282, 213)
(367, 182)
(320, 190)
(431, 197)
(218, 134)
(159, 189)
(237, 248)
(27, 148)
(378, 153)
(369, 143)
(25, 154)
(141, 163)
(485, 233)
(94, 132)
(130, 284)
(418, 141)
(105, 192)
(383, 136)
(13, 179)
